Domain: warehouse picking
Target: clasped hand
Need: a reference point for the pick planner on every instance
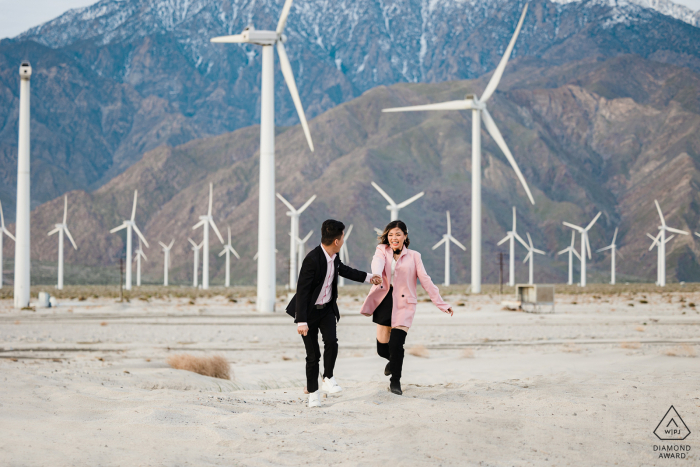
(376, 279)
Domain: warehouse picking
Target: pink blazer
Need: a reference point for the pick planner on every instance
(409, 268)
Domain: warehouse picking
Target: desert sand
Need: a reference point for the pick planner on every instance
(86, 383)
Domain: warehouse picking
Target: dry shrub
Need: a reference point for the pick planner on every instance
(571, 348)
(683, 350)
(216, 366)
(631, 345)
(468, 353)
(419, 351)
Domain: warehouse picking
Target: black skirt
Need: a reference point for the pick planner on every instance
(382, 315)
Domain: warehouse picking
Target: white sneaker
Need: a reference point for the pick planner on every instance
(330, 386)
(315, 399)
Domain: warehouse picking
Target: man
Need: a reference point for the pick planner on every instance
(314, 306)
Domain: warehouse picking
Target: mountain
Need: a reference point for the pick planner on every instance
(123, 77)
(594, 135)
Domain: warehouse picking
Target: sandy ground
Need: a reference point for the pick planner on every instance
(86, 383)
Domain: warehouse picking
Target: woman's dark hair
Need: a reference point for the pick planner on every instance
(383, 238)
(330, 230)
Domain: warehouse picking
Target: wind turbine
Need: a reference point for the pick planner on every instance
(60, 229)
(205, 222)
(3, 231)
(530, 256)
(393, 207)
(294, 233)
(478, 107)
(613, 250)
(301, 249)
(512, 236)
(137, 256)
(585, 245)
(660, 242)
(446, 239)
(266, 217)
(129, 225)
(572, 252)
(344, 256)
(378, 231)
(228, 249)
(166, 260)
(22, 243)
(195, 248)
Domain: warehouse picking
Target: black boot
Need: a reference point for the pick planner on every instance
(383, 351)
(396, 342)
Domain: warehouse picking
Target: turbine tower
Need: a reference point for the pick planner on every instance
(613, 250)
(61, 229)
(585, 245)
(166, 260)
(228, 250)
(137, 256)
(266, 217)
(531, 257)
(660, 242)
(393, 207)
(294, 233)
(205, 222)
(195, 248)
(512, 236)
(344, 256)
(572, 252)
(301, 249)
(478, 107)
(129, 225)
(3, 231)
(22, 233)
(446, 239)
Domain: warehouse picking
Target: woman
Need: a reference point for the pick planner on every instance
(392, 304)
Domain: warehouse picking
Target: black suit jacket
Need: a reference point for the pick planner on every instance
(311, 277)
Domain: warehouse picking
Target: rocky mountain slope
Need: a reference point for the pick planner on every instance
(122, 77)
(592, 135)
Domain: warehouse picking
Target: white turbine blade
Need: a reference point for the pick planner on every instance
(234, 39)
(216, 230)
(286, 203)
(618, 252)
(520, 239)
(449, 224)
(529, 253)
(7, 232)
(138, 232)
(456, 242)
(116, 229)
(697, 234)
(235, 253)
(306, 204)
(222, 252)
(575, 227)
(347, 234)
(573, 239)
(410, 200)
(283, 17)
(507, 237)
(529, 239)
(576, 253)
(464, 104)
(133, 210)
(669, 239)
(211, 198)
(229, 235)
(143, 255)
(200, 244)
(70, 237)
(498, 138)
(655, 240)
(604, 248)
(539, 251)
(658, 208)
(65, 209)
(171, 243)
(378, 231)
(588, 227)
(588, 247)
(493, 83)
(199, 224)
(194, 245)
(514, 219)
(444, 239)
(256, 256)
(56, 230)
(383, 193)
(614, 236)
(288, 74)
(308, 236)
(565, 250)
(2, 219)
(681, 232)
(165, 247)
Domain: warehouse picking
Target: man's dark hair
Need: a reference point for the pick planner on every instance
(330, 230)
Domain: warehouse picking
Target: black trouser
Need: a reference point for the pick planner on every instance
(326, 325)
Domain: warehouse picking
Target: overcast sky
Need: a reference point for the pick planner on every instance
(17, 16)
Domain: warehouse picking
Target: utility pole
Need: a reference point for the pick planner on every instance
(500, 265)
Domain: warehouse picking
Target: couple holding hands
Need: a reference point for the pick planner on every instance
(391, 301)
